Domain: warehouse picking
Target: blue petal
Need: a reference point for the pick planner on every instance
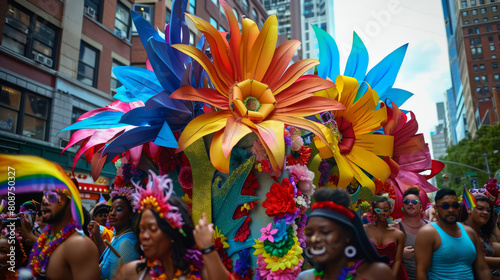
(140, 82)
(329, 57)
(166, 138)
(145, 30)
(177, 21)
(130, 139)
(162, 100)
(168, 71)
(396, 95)
(107, 119)
(383, 75)
(142, 117)
(357, 63)
(124, 95)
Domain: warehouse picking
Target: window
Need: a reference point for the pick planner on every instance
(474, 12)
(464, 13)
(215, 2)
(213, 22)
(191, 38)
(486, 90)
(488, 28)
(122, 21)
(494, 65)
(494, 8)
(485, 19)
(470, 31)
(497, 77)
(483, 11)
(255, 15)
(464, 4)
(483, 77)
(93, 9)
(476, 78)
(476, 20)
(481, 2)
(114, 80)
(474, 67)
(478, 40)
(168, 14)
(192, 6)
(245, 4)
(492, 47)
(479, 50)
(24, 113)
(76, 113)
(479, 90)
(490, 38)
(477, 30)
(30, 36)
(473, 3)
(473, 51)
(87, 65)
(221, 28)
(481, 66)
(146, 11)
(466, 22)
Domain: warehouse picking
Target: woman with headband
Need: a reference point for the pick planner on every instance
(337, 242)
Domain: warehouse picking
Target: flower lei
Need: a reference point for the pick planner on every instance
(40, 255)
(347, 273)
(156, 271)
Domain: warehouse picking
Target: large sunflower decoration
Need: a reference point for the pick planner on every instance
(361, 145)
(254, 90)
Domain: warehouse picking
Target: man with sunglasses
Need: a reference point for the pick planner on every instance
(410, 225)
(61, 251)
(446, 249)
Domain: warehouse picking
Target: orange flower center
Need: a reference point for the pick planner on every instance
(251, 99)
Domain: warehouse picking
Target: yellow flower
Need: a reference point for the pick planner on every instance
(223, 239)
(255, 90)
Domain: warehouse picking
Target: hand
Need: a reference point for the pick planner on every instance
(204, 233)
(408, 252)
(26, 227)
(94, 230)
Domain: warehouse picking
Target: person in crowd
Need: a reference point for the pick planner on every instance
(337, 242)
(410, 225)
(389, 241)
(124, 239)
(165, 232)
(99, 217)
(11, 260)
(482, 220)
(60, 251)
(446, 249)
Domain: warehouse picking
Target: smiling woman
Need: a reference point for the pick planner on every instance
(336, 242)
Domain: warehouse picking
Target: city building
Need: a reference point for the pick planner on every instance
(319, 13)
(439, 137)
(478, 51)
(56, 60)
(450, 115)
(454, 96)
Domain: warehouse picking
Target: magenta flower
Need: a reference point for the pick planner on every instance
(267, 233)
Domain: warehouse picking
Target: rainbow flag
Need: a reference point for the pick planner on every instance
(28, 174)
(468, 199)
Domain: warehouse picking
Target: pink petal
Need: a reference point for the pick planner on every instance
(270, 238)
(263, 238)
(274, 231)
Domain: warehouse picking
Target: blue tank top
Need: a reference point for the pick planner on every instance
(454, 257)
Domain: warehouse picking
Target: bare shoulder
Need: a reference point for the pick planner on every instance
(128, 271)
(427, 230)
(472, 234)
(83, 245)
(374, 271)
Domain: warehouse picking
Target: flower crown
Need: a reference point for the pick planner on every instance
(330, 205)
(127, 192)
(155, 197)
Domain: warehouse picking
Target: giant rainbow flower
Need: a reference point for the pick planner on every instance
(254, 90)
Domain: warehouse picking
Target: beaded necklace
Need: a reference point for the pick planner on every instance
(347, 273)
(40, 255)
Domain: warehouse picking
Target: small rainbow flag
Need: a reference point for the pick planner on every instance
(27, 174)
(468, 199)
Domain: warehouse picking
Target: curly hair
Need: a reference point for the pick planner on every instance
(413, 190)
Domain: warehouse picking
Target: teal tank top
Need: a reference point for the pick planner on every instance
(454, 257)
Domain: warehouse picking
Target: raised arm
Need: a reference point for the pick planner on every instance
(424, 248)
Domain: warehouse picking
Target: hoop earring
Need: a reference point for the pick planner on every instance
(350, 251)
(307, 253)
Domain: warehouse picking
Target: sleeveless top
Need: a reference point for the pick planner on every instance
(124, 244)
(389, 249)
(454, 257)
(409, 264)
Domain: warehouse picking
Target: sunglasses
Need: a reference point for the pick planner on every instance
(413, 201)
(446, 206)
(378, 210)
(51, 197)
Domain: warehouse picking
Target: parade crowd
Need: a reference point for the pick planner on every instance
(148, 233)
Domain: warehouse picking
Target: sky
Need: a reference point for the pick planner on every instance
(385, 25)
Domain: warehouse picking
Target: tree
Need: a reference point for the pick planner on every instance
(470, 151)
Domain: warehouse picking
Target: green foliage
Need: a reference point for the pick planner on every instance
(470, 151)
